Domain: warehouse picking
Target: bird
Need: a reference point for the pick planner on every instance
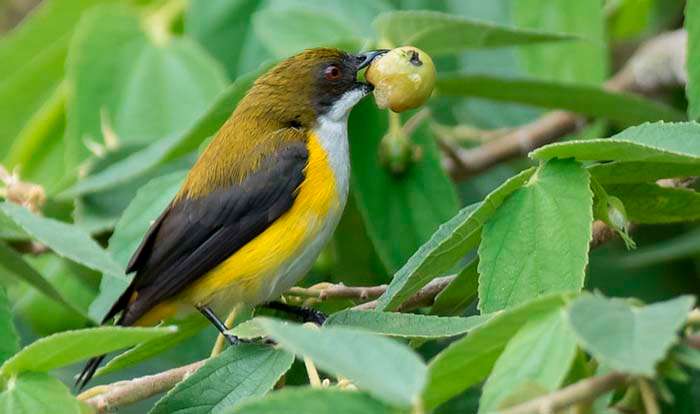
(258, 205)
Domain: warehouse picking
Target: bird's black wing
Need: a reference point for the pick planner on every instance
(194, 235)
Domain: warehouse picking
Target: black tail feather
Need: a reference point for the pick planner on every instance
(88, 372)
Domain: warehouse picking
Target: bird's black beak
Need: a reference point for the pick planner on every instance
(365, 58)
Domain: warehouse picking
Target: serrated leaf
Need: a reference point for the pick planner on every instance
(64, 239)
(539, 355)
(396, 231)
(640, 171)
(67, 347)
(440, 33)
(544, 229)
(186, 328)
(316, 401)
(460, 293)
(653, 204)
(9, 341)
(469, 360)
(239, 373)
(405, 324)
(149, 203)
(627, 338)
(152, 91)
(447, 245)
(37, 392)
(585, 99)
(169, 148)
(384, 368)
(658, 142)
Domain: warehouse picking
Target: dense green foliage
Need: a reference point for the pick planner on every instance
(105, 104)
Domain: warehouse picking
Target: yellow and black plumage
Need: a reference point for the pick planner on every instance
(259, 203)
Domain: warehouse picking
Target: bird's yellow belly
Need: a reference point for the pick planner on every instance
(251, 275)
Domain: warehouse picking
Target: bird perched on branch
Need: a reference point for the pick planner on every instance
(260, 202)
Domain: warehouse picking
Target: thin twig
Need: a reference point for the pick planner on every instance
(128, 392)
(583, 391)
(656, 64)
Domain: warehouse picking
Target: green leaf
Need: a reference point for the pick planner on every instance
(285, 32)
(626, 338)
(237, 374)
(149, 203)
(33, 56)
(37, 392)
(67, 347)
(169, 148)
(64, 239)
(653, 204)
(692, 25)
(544, 229)
(396, 231)
(687, 355)
(218, 25)
(635, 172)
(13, 263)
(186, 328)
(440, 33)
(123, 81)
(586, 60)
(314, 400)
(469, 360)
(658, 142)
(447, 245)
(537, 357)
(385, 369)
(460, 293)
(682, 246)
(588, 100)
(405, 324)
(9, 341)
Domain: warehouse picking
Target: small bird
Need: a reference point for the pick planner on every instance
(259, 204)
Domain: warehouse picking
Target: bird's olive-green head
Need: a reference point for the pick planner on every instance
(309, 85)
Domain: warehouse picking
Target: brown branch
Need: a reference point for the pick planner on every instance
(105, 398)
(581, 392)
(658, 63)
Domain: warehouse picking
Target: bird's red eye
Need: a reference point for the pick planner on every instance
(332, 73)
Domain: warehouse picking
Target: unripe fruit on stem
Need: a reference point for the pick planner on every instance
(403, 78)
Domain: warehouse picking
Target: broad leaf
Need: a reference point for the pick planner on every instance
(439, 33)
(125, 82)
(405, 324)
(169, 148)
(316, 401)
(470, 359)
(67, 347)
(627, 338)
(37, 392)
(621, 172)
(149, 203)
(186, 328)
(239, 373)
(9, 341)
(692, 25)
(64, 239)
(396, 231)
(652, 204)
(658, 142)
(447, 245)
(218, 25)
(460, 293)
(537, 358)
(581, 98)
(543, 229)
(14, 264)
(384, 368)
